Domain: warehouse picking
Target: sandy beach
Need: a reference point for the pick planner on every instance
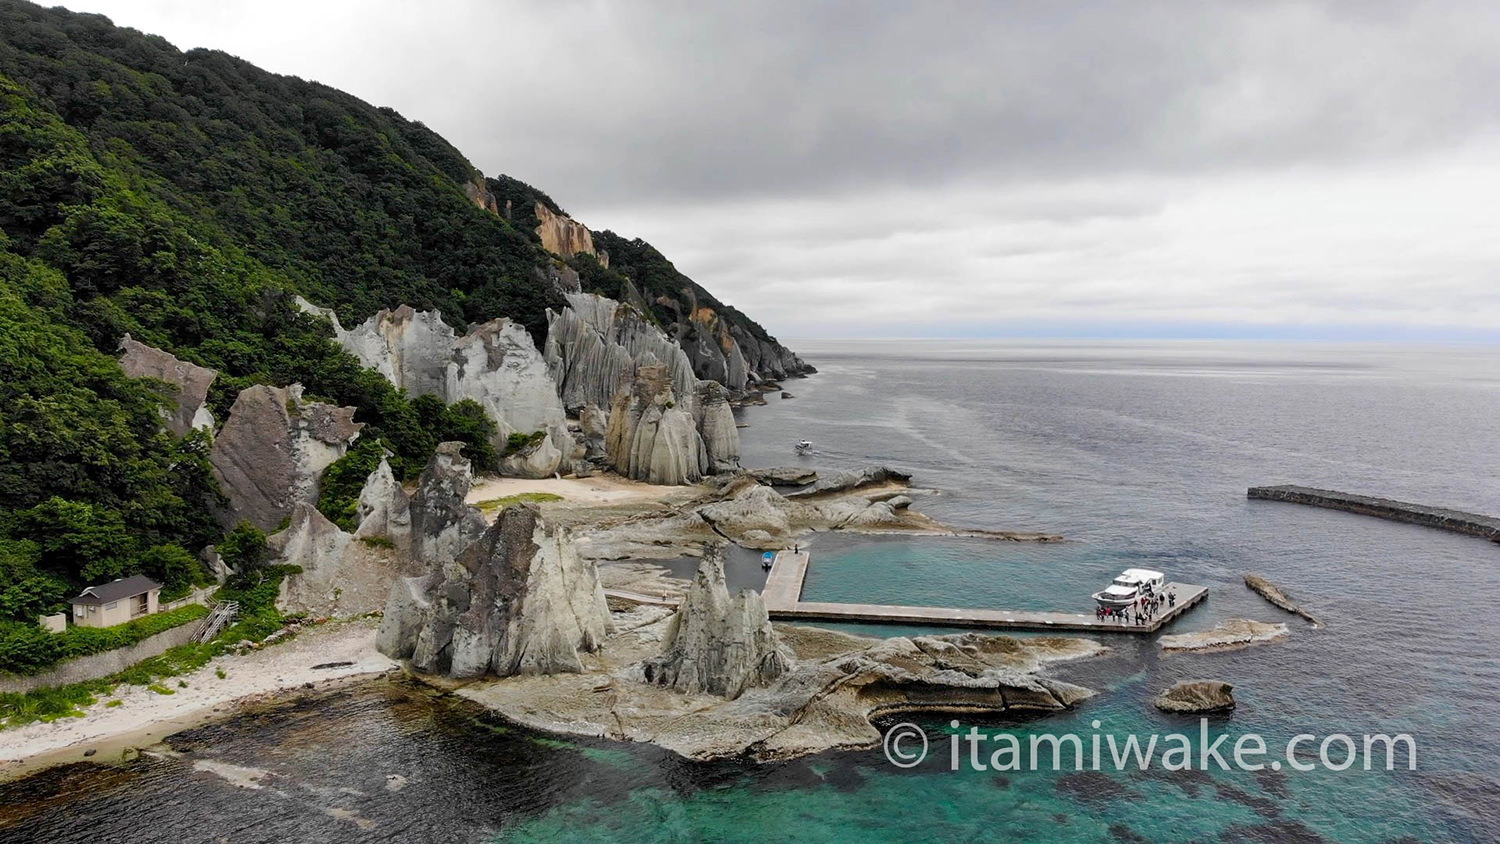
(596, 490)
(144, 717)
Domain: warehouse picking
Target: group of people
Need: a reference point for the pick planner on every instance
(1145, 608)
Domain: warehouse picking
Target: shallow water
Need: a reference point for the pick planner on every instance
(1140, 454)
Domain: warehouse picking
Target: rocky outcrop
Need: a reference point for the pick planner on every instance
(563, 235)
(273, 448)
(845, 481)
(650, 438)
(784, 475)
(1227, 635)
(1197, 696)
(517, 601)
(442, 522)
(715, 421)
(191, 383)
(716, 644)
(1271, 592)
(835, 686)
(495, 364)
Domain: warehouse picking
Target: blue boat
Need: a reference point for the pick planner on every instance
(766, 559)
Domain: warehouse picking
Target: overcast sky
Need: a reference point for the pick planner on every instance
(866, 169)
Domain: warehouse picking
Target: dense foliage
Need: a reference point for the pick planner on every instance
(186, 199)
(28, 649)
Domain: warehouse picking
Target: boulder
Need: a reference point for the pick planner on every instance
(716, 644)
(1197, 696)
(442, 522)
(539, 459)
(190, 383)
(273, 448)
(518, 601)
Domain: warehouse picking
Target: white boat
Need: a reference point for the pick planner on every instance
(803, 447)
(1129, 587)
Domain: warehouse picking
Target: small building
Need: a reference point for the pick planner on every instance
(116, 602)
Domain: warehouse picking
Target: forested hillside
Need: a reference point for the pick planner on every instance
(184, 198)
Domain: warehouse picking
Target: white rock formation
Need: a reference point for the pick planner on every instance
(716, 644)
(272, 450)
(191, 381)
(496, 364)
(518, 601)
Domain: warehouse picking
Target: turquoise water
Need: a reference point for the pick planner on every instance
(1140, 455)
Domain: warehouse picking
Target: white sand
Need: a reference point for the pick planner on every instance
(144, 717)
(599, 489)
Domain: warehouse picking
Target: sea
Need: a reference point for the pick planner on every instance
(1139, 454)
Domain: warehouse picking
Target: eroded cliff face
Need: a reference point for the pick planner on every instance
(517, 601)
(191, 381)
(664, 424)
(565, 236)
(495, 364)
(716, 644)
(272, 450)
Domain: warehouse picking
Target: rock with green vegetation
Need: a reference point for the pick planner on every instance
(518, 601)
(189, 381)
(495, 364)
(273, 447)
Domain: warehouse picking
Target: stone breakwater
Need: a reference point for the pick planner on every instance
(1442, 518)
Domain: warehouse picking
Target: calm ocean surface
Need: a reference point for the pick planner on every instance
(1139, 453)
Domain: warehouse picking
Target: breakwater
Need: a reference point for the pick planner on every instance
(1442, 518)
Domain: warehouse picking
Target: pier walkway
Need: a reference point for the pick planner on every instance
(1442, 518)
(783, 597)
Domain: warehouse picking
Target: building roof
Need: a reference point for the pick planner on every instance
(116, 590)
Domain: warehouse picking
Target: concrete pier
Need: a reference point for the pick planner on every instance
(1442, 518)
(783, 597)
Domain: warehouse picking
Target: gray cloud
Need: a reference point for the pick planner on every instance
(867, 167)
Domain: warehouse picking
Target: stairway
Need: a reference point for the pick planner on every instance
(220, 616)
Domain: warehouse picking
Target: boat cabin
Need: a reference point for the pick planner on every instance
(1130, 586)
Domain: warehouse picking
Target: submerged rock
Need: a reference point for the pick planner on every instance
(1226, 635)
(1197, 696)
(273, 448)
(1271, 592)
(716, 644)
(191, 381)
(518, 601)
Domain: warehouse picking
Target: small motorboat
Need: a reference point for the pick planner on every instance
(1130, 587)
(767, 559)
(803, 446)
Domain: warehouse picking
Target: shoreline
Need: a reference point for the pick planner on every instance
(144, 717)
